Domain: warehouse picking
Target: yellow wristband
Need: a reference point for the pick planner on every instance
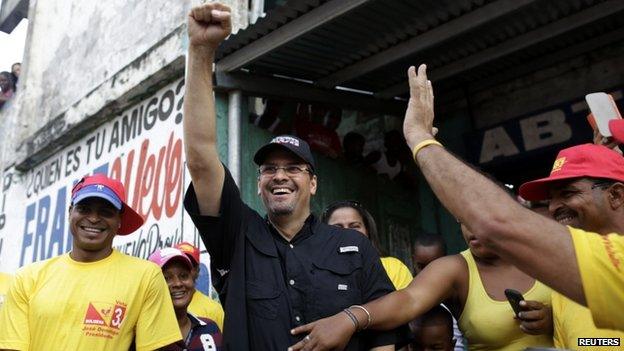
(423, 144)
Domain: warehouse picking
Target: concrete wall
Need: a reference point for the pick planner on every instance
(86, 59)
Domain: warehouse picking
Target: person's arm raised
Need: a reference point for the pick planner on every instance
(433, 285)
(539, 246)
(208, 26)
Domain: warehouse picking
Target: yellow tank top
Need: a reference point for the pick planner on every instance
(488, 324)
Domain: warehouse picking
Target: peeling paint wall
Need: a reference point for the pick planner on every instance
(84, 56)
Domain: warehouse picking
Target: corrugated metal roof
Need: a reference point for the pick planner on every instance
(368, 45)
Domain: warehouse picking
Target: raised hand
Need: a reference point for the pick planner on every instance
(209, 25)
(535, 318)
(418, 123)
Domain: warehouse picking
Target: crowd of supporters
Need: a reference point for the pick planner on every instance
(540, 273)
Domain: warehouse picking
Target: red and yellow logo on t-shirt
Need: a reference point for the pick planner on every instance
(104, 319)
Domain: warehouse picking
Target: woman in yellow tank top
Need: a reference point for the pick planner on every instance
(472, 285)
(486, 318)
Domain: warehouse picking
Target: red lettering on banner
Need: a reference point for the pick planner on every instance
(144, 186)
(128, 176)
(139, 177)
(155, 206)
(150, 178)
(116, 171)
(173, 180)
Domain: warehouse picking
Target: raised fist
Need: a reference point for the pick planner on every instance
(209, 25)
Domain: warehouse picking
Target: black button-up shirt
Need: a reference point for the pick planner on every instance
(269, 285)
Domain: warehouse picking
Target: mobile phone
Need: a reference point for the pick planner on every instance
(603, 109)
(514, 297)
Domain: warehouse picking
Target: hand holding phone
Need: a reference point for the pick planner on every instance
(514, 297)
(603, 110)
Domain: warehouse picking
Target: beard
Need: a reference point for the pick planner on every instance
(281, 208)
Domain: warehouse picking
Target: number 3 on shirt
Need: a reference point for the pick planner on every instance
(118, 315)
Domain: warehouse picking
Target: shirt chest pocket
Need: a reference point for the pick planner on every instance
(336, 282)
(262, 299)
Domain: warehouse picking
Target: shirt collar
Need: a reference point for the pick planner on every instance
(310, 226)
(195, 321)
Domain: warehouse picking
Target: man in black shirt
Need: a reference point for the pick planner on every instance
(276, 272)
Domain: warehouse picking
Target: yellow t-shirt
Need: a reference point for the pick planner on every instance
(61, 304)
(572, 321)
(203, 306)
(488, 324)
(399, 274)
(601, 264)
(5, 283)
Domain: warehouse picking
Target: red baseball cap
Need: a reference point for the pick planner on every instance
(162, 256)
(190, 250)
(587, 160)
(111, 190)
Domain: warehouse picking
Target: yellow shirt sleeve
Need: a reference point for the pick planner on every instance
(601, 264)
(157, 325)
(14, 328)
(203, 306)
(558, 329)
(399, 274)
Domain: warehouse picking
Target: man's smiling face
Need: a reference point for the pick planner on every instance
(579, 203)
(283, 193)
(94, 223)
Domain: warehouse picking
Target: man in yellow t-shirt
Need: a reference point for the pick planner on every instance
(5, 282)
(601, 260)
(201, 305)
(93, 298)
(572, 321)
(584, 188)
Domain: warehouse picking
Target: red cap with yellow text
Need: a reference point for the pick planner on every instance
(587, 160)
(190, 250)
(111, 190)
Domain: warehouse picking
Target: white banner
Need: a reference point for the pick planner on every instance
(142, 147)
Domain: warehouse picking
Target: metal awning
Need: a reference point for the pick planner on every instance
(323, 50)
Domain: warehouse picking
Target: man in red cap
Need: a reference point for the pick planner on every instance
(94, 297)
(581, 188)
(586, 191)
(201, 305)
